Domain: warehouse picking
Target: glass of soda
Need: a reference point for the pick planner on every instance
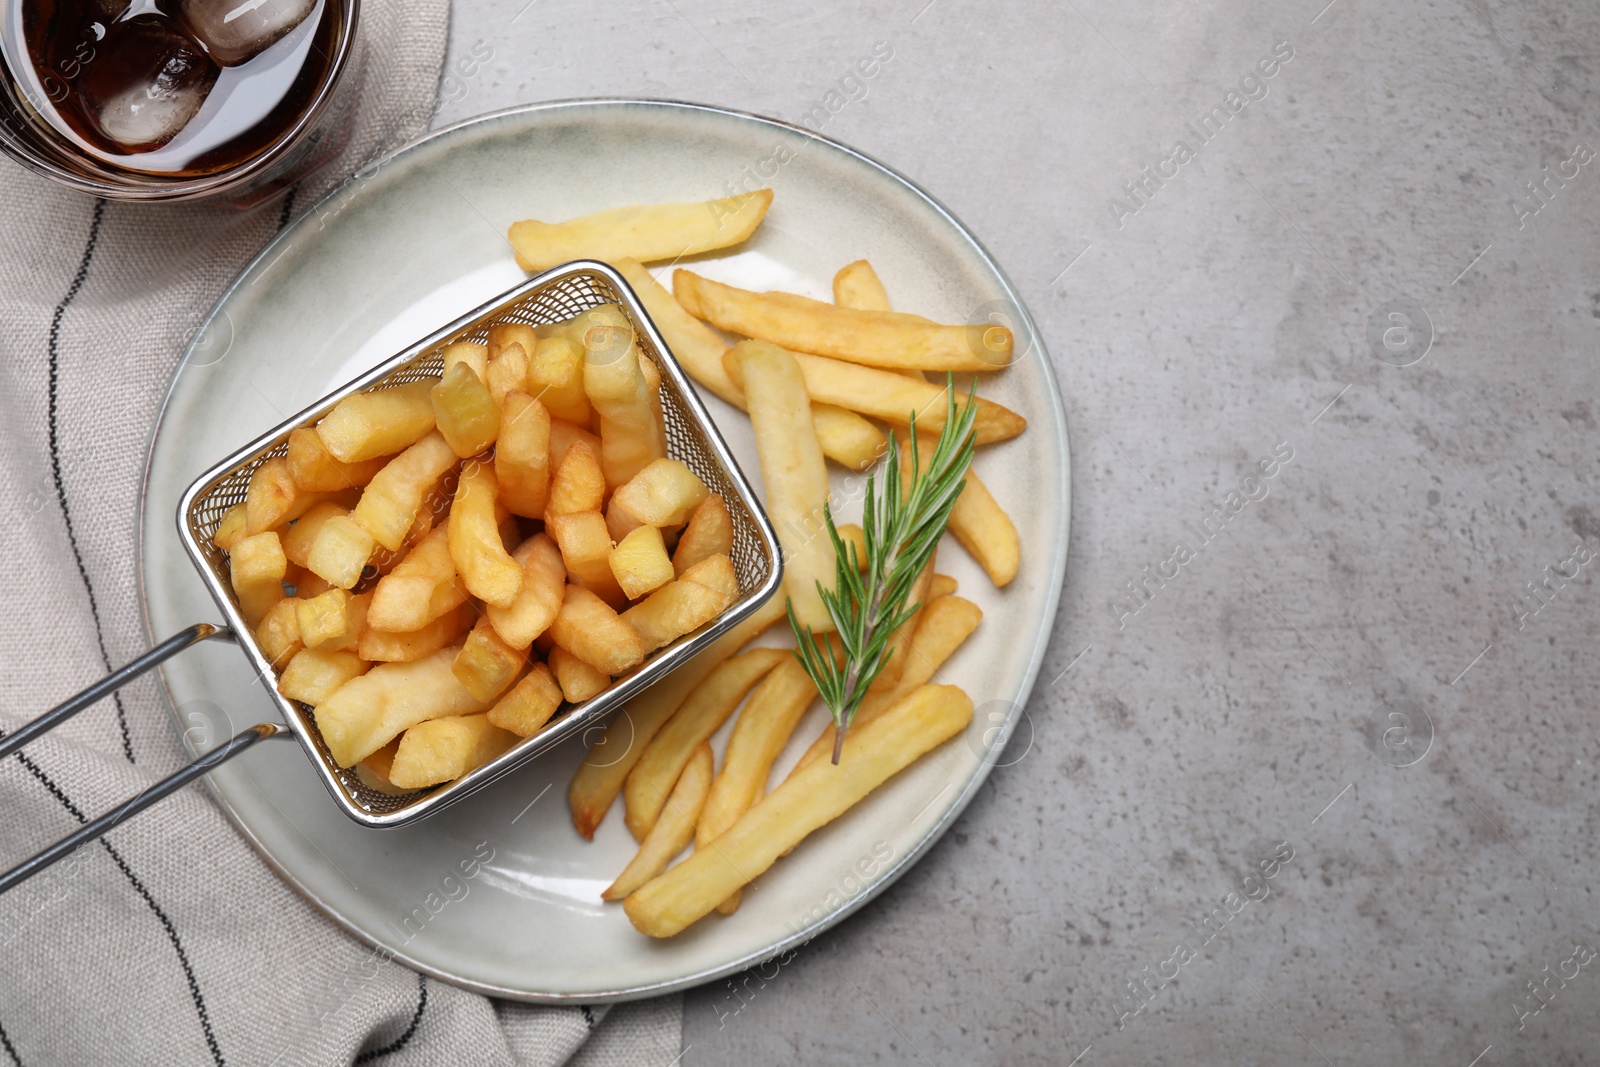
(168, 100)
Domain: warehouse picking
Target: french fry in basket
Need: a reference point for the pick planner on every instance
(404, 646)
(419, 589)
(273, 498)
(529, 704)
(522, 455)
(464, 411)
(846, 437)
(874, 338)
(944, 624)
(256, 568)
(486, 568)
(316, 470)
(578, 680)
(893, 397)
(664, 493)
(700, 715)
(588, 628)
(313, 675)
(578, 483)
(368, 711)
(555, 378)
(673, 831)
(379, 423)
(298, 539)
(544, 579)
(585, 545)
(230, 529)
(759, 734)
(600, 777)
(487, 665)
(278, 633)
(332, 620)
(792, 466)
(631, 429)
(644, 232)
(442, 750)
(640, 562)
(474, 355)
(684, 604)
(709, 533)
(810, 799)
(391, 501)
(340, 551)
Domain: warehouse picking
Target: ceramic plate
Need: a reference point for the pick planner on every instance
(419, 240)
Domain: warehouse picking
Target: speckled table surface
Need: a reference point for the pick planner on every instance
(1309, 776)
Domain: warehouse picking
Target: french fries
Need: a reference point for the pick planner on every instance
(873, 338)
(555, 378)
(671, 833)
(759, 734)
(391, 501)
(578, 680)
(845, 436)
(986, 531)
(404, 646)
(578, 484)
(640, 563)
(486, 665)
(588, 628)
(709, 533)
(464, 411)
(522, 455)
(631, 429)
(664, 493)
(440, 750)
(600, 777)
(857, 286)
(644, 232)
(313, 675)
(479, 552)
(278, 633)
(369, 710)
(316, 470)
(893, 397)
(539, 597)
(586, 550)
(684, 604)
(257, 566)
(700, 715)
(809, 800)
(230, 529)
(792, 466)
(422, 587)
(529, 704)
(380, 423)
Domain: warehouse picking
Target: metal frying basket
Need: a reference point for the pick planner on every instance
(691, 437)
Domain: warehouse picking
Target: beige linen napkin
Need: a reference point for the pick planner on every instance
(172, 942)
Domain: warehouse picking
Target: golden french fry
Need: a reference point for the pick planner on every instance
(256, 567)
(709, 533)
(644, 232)
(278, 633)
(471, 353)
(421, 587)
(298, 538)
(273, 498)
(685, 604)
(340, 551)
(555, 378)
(379, 423)
(504, 335)
(700, 715)
(893, 397)
(792, 466)
(942, 585)
(664, 493)
(487, 665)
(943, 626)
(230, 529)
(578, 680)
(631, 429)
(464, 411)
(873, 338)
(640, 563)
(845, 437)
(368, 711)
(759, 734)
(508, 373)
(586, 550)
(563, 435)
(599, 779)
(522, 455)
(544, 578)
(579, 483)
(857, 286)
(369, 775)
(899, 643)
(390, 503)
(671, 833)
(316, 470)
(807, 801)
(314, 675)
(442, 750)
(588, 628)
(332, 620)
(386, 646)
(986, 531)
(529, 704)
(480, 555)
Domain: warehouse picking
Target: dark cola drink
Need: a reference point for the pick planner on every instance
(172, 87)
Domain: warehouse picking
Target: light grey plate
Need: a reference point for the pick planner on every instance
(415, 243)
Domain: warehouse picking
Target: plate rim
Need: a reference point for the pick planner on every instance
(934, 833)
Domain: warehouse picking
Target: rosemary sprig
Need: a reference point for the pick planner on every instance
(902, 528)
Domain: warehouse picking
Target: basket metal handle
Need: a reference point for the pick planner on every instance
(110, 683)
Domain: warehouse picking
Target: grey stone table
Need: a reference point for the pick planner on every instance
(1357, 243)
